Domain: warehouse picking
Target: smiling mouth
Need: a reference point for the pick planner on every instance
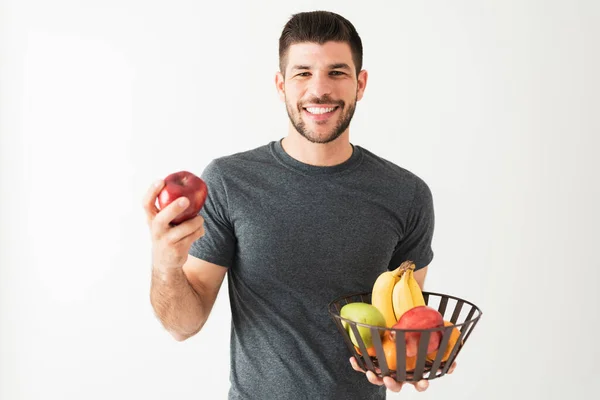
(320, 110)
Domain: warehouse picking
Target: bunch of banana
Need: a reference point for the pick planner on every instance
(395, 292)
(381, 295)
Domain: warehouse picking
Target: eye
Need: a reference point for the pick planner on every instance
(303, 74)
(337, 73)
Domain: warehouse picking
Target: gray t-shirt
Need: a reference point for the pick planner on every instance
(294, 237)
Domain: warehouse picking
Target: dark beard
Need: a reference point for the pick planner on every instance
(341, 126)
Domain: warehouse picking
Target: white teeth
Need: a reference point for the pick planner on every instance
(319, 110)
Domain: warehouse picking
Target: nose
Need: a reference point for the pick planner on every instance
(320, 85)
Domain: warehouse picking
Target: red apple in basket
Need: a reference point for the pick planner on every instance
(421, 317)
(186, 184)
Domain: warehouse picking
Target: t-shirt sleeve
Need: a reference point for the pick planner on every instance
(218, 244)
(415, 245)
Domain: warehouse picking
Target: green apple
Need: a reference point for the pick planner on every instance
(363, 313)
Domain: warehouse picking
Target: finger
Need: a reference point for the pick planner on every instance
(422, 385)
(197, 234)
(169, 213)
(374, 379)
(452, 367)
(391, 384)
(184, 231)
(149, 201)
(355, 366)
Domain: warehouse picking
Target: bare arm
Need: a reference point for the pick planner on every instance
(420, 276)
(183, 288)
(183, 298)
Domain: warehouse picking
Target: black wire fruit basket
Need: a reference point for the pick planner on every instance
(387, 355)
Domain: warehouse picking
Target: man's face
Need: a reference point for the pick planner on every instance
(320, 89)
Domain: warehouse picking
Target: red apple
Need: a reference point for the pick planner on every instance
(186, 184)
(421, 317)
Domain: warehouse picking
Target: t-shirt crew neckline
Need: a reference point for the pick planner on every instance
(290, 162)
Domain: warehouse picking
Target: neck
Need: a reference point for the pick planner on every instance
(318, 154)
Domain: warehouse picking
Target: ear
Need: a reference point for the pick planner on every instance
(280, 85)
(362, 84)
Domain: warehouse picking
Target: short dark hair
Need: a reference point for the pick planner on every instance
(319, 27)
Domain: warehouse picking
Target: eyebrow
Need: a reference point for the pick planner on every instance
(331, 66)
(339, 66)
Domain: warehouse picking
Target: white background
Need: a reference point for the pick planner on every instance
(495, 104)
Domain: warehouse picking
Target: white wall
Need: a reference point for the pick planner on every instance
(495, 104)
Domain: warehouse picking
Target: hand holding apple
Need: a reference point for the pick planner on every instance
(177, 224)
(183, 184)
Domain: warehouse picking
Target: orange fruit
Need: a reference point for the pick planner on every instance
(370, 351)
(451, 342)
(389, 349)
(411, 363)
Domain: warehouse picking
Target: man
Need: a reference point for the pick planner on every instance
(294, 224)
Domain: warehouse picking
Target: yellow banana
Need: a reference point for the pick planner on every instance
(401, 296)
(415, 289)
(381, 296)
